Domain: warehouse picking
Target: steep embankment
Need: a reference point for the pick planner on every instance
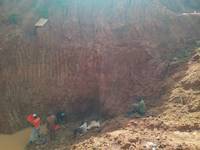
(92, 56)
(182, 100)
(176, 123)
(173, 124)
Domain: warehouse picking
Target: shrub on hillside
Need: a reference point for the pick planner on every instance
(13, 18)
(43, 11)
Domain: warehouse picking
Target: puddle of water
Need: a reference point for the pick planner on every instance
(16, 141)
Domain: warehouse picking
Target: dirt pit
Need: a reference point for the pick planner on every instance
(169, 125)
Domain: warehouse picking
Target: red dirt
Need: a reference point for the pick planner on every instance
(170, 125)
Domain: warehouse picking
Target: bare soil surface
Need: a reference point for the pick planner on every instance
(173, 124)
(91, 55)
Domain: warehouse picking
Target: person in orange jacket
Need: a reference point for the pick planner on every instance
(35, 121)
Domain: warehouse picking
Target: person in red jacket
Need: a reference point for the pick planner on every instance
(35, 121)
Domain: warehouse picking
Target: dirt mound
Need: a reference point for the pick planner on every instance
(138, 135)
(182, 100)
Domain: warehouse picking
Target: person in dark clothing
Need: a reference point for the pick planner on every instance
(60, 117)
(80, 130)
(139, 108)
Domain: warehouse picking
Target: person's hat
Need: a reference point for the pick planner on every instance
(34, 115)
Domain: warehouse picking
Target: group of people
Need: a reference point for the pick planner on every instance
(53, 122)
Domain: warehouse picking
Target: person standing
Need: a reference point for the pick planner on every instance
(51, 123)
(35, 121)
(60, 117)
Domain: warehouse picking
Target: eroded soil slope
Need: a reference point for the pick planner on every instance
(91, 57)
(176, 123)
(173, 124)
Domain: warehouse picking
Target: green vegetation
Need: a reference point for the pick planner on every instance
(43, 11)
(194, 4)
(179, 55)
(1, 3)
(141, 107)
(198, 43)
(182, 54)
(61, 3)
(181, 5)
(14, 18)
